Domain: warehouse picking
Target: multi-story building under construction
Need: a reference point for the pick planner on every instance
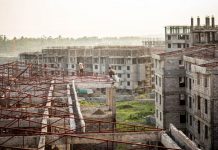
(41, 110)
(179, 37)
(186, 93)
(133, 64)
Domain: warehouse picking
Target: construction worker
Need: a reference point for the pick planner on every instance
(81, 69)
(112, 74)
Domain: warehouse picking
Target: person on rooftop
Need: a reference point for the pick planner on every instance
(113, 75)
(81, 69)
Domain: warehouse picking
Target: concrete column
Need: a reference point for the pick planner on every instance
(109, 93)
(213, 22)
(192, 22)
(113, 102)
(108, 97)
(208, 37)
(199, 37)
(213, 36)
(198, 21)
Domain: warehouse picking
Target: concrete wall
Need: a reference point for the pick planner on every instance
(172, 63)
(214, 130)
(172, 103)
(19, 141)
(36, 122)
(182, 139)
(167, 141)
(214, 82)
(93, 138)
(172, 85)
(170, 92)
(175, 118)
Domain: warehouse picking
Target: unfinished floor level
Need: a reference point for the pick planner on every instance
(42, 111)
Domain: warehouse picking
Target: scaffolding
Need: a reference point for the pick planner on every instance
(39, 109)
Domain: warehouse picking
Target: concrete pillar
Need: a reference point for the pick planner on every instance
(71, 147)
(113, 103)
(192, 22)
(207, 22)
(213, 22)
(199, 37)
(198, 21)
(109, 98)
(213, 36)
(208, 37)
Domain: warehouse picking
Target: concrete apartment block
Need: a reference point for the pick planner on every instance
(170, 85)
(179, 37)
(186, 93)
(132, 63)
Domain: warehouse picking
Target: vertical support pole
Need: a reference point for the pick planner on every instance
(113, 101)
(8, 75)
(66, 142)
(30, 99)
(34, 91)
(2, 80)
(199, 37)
(64, 126)
(107, 96)
(110, 98)
(23, 141)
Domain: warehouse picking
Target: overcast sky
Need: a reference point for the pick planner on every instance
(76, 18)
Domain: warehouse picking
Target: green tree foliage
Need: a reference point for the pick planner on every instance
(28, 44)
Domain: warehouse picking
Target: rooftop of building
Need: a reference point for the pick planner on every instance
(96, 47)
(179, 52)
(30, 53)
(210, 65)
(205, 54)
(81, 51)
(177, 26)
(208, 53)
(190, 51)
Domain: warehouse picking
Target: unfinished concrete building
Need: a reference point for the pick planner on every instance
(179, 37)
(186, 93)
(155, 42)
(41, 110)
(132, 63)
(204, 34)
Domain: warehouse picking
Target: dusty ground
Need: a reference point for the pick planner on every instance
(88, 112)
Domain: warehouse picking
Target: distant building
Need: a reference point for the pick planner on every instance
(155, 42)
(179, 37)
(204, 34)
(133, 64)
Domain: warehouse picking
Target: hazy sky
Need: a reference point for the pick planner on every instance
(75, 18)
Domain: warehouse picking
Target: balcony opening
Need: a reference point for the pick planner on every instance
(181, 82)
